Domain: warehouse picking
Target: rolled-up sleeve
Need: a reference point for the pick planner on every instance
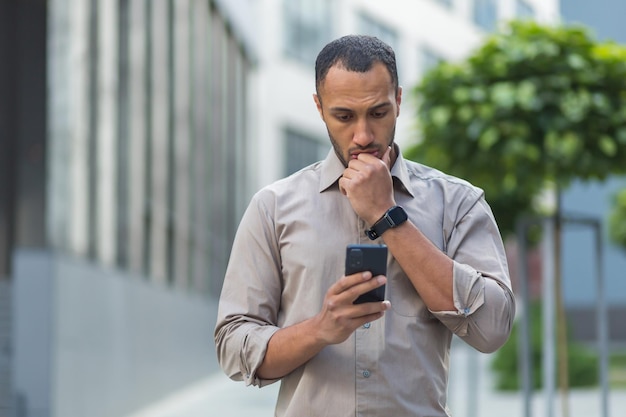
(241, 346)
(484, 310)
(247, 312)
(483, 299)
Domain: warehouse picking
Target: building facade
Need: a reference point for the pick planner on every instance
(121, 129)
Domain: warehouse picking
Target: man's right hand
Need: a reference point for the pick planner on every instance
(292, 346)
(339, 316)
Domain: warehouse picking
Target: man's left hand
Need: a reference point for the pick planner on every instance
(368, 185)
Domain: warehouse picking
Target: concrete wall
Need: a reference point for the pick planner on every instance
(94, 342)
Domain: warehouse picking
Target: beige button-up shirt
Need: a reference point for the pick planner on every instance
(290, 248)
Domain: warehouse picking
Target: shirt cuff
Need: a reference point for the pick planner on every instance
(253, 352)
(468, 292)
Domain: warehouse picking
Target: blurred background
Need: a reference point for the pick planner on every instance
(133, 134)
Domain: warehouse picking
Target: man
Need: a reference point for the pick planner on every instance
(286, 311)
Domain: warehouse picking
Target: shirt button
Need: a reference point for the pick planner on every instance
(466, 311)
(367, 325)
(366, 374)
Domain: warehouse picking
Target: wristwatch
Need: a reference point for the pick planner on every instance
(394, 217)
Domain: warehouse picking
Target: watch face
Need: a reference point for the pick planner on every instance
(395, 216)
(398, 215)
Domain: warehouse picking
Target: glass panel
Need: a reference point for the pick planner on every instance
(301, 151)
(485, 14)
(428, 59)
(369, 26)
(123, 160)
(524, 9)
(445, 3)
(308, 27)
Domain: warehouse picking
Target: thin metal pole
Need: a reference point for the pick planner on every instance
(601, 311)
(602, 322)
(548, 316)
(524, 341)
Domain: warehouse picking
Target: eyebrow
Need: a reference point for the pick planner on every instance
(346, 109)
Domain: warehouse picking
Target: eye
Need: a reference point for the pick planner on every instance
(343, 117)
(379, 114)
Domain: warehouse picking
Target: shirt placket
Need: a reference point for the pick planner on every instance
(368, 348)
(366, 353)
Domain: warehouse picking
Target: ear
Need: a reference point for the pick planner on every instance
(318, 104)
(399, 99)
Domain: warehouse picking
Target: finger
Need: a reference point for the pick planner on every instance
(342, 188)
(366, 157)
(387, 158)
(348, 173)
(371, 311)
(354, 292)
(348, 281)
(357, 165)
(375, 282)
(354, 169)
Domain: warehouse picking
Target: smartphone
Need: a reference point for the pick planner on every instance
(371, 258)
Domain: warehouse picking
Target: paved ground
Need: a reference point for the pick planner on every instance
(470, 396)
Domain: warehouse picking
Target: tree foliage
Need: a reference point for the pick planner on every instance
(534, 105)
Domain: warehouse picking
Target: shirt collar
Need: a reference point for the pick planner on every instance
(332, 170)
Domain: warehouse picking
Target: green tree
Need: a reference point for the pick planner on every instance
(534, 107)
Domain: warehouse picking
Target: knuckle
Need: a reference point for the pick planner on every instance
(355, 291)
(342, 284)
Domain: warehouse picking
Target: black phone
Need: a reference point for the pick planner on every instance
(371, 258)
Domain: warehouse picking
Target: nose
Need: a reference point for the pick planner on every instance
(363, 135)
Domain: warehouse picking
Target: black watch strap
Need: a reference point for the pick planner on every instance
(394, 217)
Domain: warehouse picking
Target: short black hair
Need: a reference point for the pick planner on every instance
(355, 53)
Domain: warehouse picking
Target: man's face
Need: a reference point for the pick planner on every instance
(359, 110)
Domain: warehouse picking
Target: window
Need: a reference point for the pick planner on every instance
(302, 150)
(485, 14)
(445, 3)
(308, 27)
(370, 26)
(123, 146)
(428, 59)
(524, 10)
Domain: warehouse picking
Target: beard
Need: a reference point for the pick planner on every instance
(372, 147)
